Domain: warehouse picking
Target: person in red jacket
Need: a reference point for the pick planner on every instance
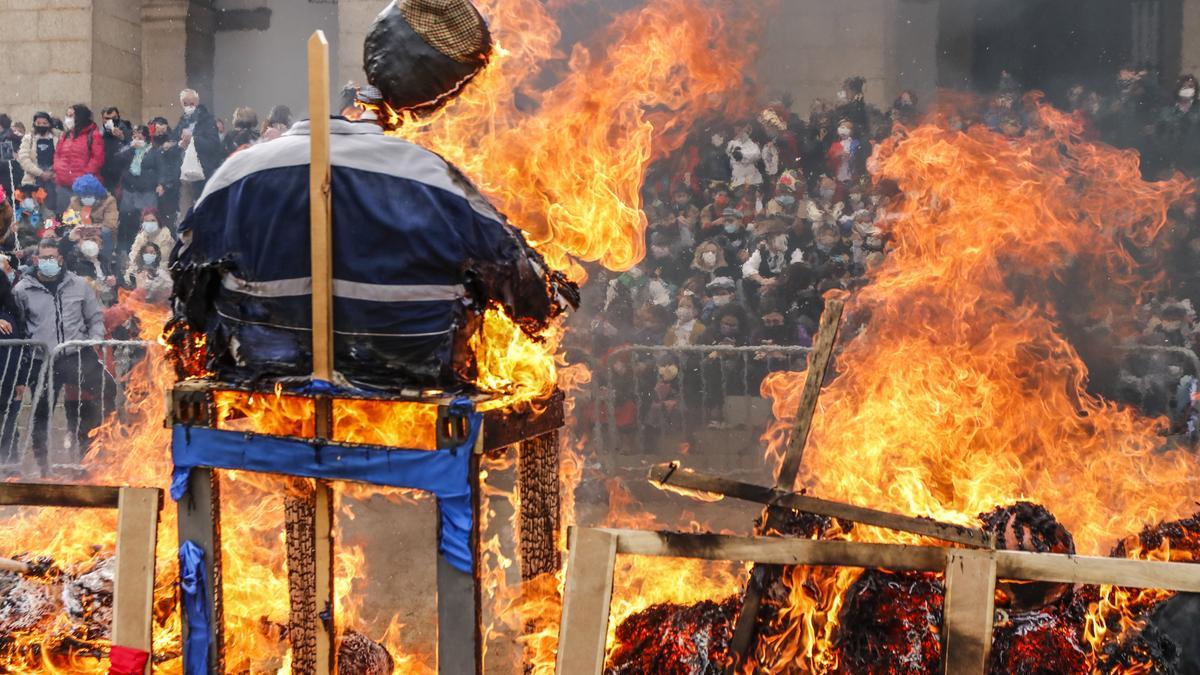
(79, 152)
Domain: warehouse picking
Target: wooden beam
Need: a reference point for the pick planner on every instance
(969, 610)
(133, 583)
(780, 551)
(320, 207)
(308, 520)
(789, 468)
(74, 496)
(670, 475)
(586, 601)
(200, 523)
(537, 488)
(1073, 569)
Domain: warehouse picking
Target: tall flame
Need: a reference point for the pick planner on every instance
(960, 391)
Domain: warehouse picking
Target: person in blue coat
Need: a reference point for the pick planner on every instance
(418, 253)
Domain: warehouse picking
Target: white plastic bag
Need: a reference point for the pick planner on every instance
(191, 171)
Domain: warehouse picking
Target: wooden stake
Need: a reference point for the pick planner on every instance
(133, 583)
(586, 600)
(200, 523)
(320, 207)
(831, 318)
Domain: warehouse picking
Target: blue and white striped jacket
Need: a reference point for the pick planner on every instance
(417, 254)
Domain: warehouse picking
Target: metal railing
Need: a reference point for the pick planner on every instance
(639, 404)
(72, 390)
(22, 364)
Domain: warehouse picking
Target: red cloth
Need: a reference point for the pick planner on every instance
(127, 661)
(72, 158)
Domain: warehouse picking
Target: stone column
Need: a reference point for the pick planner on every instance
(164, 62)
(354, 19)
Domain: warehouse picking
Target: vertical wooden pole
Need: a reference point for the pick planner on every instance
(308, 510)
(586, 602)
(538, 486)
(200, 522)
(133, 584)
(969, 610)
(459, 596)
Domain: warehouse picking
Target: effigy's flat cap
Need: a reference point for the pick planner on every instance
(420, 53)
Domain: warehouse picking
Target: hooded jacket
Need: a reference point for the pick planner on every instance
(73, 312)
(78, 155)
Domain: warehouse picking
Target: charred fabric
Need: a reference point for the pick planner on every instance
(891, 621)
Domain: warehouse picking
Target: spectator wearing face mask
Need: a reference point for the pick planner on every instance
(847, 156)
(29, 218)
(666, 260)
(150, 277)
(709, 258)
(169, 158)
(94, 205)
(713, 210)
(117, 134)
(143, 175)
(687, 329)
(1177, 133)
(80, 152)
(713, 168)
(89, 264)
(744, 154)
(58, 307)
(200, 141)
(150, 231)
(16, 368)
(770, 258)
(36, 155)
(721, 293)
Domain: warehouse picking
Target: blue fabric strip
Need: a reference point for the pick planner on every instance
(194, 588)
(445, 473)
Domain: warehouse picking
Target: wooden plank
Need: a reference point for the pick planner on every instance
(780, 551)
(969, 610)
(586, 601)
(74, 496)
(827, 332)
(200, 523)
(308, 521)
(1072, 569)
(671, 474)
(133, 583)
(537, 488)
(320, 215)
(14, 566)
(831, 318)
(458, 631)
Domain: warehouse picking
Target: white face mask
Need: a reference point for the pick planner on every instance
(108, 124)
(1188, 92)
(69, 123)
(709, 257)
(29, 203)
(87, 201)
(89, 248)
(149, 226)
(721, 300)
(189, 109)
(844, 132)
(137, 143)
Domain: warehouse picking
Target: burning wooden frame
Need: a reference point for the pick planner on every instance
(137, 534)
(970, 580)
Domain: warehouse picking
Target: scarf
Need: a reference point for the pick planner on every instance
(34, 215)
(135, 167)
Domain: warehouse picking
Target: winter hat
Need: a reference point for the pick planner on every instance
(421, 53)
(88, 185)
(721, 284)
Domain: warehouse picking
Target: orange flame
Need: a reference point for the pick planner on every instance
(960, 391)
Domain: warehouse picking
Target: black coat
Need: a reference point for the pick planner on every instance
(206, 137)
(151, 170)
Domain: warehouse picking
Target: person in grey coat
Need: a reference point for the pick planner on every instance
(60, 307)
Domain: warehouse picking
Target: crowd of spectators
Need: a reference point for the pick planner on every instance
(754, 220)
(88, 216)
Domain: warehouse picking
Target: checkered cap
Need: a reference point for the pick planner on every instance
(453, 27)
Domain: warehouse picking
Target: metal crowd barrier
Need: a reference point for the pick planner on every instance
(86, 376)
(713, 400)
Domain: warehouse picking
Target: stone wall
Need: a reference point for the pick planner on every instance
(354, 19)
(47, 55)
(117, 56)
